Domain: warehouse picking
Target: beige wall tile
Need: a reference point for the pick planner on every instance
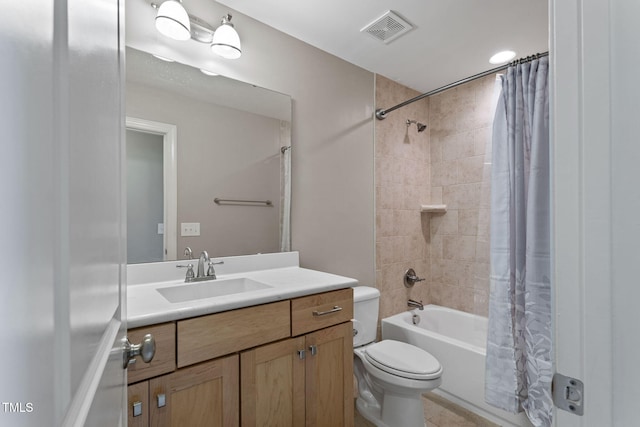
(444, 173)
(470, 169)
(444, 164)
(384, 197)
(468, 222)
(447, 223)
(482, 141)
(384, 223)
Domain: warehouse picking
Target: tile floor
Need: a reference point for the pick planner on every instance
(440, 412)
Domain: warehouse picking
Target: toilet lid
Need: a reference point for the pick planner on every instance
(404, 360)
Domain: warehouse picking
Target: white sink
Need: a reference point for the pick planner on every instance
(213, 288)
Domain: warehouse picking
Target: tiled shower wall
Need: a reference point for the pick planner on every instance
(444, 164)
(460, 129)
(402, 176)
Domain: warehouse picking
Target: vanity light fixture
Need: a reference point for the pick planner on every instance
(502, 57)
(172, 20)
(226, 42)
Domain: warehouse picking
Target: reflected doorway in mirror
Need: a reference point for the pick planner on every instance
(167, 135)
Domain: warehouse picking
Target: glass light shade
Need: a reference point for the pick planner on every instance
(173, 21)
(226, 42)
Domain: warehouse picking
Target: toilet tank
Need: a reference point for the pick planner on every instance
(365, 312)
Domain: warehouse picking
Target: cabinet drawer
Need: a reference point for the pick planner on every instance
(319, 311)
(208, 337)
(165, 358)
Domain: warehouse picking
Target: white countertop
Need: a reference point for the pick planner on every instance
(146, 306)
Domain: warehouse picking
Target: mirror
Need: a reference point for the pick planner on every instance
(206, 138)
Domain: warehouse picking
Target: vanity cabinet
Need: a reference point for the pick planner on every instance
(205, 394)
(288, 363)
(307, 379)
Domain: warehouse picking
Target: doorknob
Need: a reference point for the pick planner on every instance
(146, 349)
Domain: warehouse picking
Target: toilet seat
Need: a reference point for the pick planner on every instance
(403, 360)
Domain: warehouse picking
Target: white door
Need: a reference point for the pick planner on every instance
(595, 111)
(62, 253)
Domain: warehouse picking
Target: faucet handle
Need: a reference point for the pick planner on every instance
(190, 274)
(211, 271)
(410, 278)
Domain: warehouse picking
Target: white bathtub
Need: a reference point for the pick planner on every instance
(458, 340)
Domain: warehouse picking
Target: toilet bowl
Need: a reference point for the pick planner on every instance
(392, 375)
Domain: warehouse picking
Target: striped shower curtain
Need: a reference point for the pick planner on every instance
(519, 344)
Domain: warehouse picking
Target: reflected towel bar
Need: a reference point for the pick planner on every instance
(242, 202)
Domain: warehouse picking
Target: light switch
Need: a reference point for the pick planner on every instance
(161, 228)
(189, 229)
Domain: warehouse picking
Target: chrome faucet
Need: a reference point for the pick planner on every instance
(415, 304)
(201, 276)
(188, 252)
(204, 257)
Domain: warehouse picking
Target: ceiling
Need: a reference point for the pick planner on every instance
(189, 82)
(450, 40)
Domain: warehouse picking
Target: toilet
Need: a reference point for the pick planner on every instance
(391, 375)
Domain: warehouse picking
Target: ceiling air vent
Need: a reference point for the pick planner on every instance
(388, 27)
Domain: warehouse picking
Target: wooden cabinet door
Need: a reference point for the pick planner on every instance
(329, 377)
(138, 405)
(272, 384)
(201, 395)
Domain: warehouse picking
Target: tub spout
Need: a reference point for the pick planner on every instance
(415, 304)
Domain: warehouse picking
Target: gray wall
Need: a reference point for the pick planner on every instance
(223, 153)
(332, 136)
(145, 197)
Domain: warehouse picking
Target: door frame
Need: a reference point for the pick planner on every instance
(581, 164)
(169, 134)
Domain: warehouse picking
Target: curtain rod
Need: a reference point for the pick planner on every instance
(381, 113)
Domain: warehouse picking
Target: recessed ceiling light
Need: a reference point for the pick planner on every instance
(502, 57)
(163, 58)
(208, 73)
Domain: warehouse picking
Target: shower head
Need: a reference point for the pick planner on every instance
(421, 127)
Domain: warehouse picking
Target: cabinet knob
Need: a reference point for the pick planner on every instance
(313, 349)
(301, 354)
(137, 408)
(162, 400)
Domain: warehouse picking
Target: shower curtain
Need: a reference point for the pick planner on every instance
(519, 343)
(285, 187)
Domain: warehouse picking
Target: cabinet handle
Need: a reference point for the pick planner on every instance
(313, 349)
(335, 309)
(137, 409)
(301, 354)
(162, 400)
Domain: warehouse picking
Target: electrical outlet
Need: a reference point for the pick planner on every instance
(189, 229)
